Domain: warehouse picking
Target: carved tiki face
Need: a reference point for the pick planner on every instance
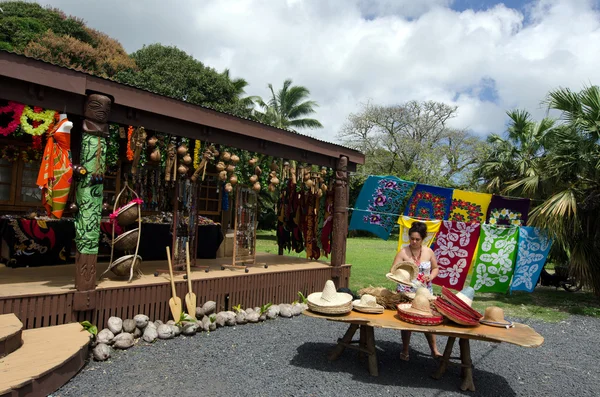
(97, 108)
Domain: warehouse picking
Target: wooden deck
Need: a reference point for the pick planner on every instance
(43, 296)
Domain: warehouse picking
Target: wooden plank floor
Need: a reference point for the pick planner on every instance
(61, 278)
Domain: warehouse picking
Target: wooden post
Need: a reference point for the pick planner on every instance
(89, 199)
(340, 219)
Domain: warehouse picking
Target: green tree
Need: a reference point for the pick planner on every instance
(288, 107)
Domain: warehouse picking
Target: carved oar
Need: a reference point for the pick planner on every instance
(190, 297)
(175, 301)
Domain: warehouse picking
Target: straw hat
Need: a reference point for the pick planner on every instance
(419, 312)
(494, 316)
(403, 273)
(467, 295)
(330, 301)
(421, 291)
(462, 302)
(454, 314)
(367, 304)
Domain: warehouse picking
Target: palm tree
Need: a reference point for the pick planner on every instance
(287, 108)
(239, 85)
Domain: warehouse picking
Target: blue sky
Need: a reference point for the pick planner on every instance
(477, 5)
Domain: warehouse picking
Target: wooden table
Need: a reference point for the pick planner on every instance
(520, 335)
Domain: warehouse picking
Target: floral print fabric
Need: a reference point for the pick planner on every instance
(405, 223)
(531, 257)
(508, 211)
(469, 207)
(429, 202)
(496, 254)
(454, 248)
(378, 205)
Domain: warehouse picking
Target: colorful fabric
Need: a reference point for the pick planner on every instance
(56, 171)
(469, 207)
(508, 211)
(89, 196)
(406, 222)
(378, 205)
(533, 250)
(455, 245)
(429, 202)
(495, 260)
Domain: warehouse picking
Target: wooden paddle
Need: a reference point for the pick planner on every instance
(175, 301)
(190, 297)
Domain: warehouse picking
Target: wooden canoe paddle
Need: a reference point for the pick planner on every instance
(175, 301)
(190, 297)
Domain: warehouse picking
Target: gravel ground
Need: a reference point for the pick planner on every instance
(288, 357)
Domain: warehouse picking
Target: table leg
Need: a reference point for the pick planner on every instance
(467, 368)
(363, 340)
(445, 358)
(346, 339)
(373, 370)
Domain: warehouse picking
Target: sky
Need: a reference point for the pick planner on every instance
(484, 56)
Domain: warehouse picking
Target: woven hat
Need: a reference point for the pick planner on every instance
(462, 306)
(454, 314)
(330, 301)
(421, 291)
(403, 273)
(367, 304)
(494, 316)
(467, 295)
(419, 312)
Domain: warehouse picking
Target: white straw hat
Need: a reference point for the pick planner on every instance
(330, 301)
(367, 304)
(403, 273)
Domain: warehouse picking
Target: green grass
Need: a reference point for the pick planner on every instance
(371, 259)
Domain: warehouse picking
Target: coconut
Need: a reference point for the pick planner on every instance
(240, 317)
(151, 325)
(141, 320)
(205, 323)
(285, 310)
(105, 336)
(165, 331)
(226, 156)
(257, 170)
(220, 166)
(209, 307)
(220, 319)
(115, 324)
(228, 188)
(223, 175)
(271, 187)
(183, 169)
(275, 308)
(155, 156)
(123, 341)
(249, 310)
(182, 150)
(187, 159)
(150, 334)
(263, 317)
(137, 333)
(190, 329)
(275, 181)
(254, 179)
(157, 323)
(252, 317)
(297, 309)
(230, 320)
(129, 325)
(199, 313)
(234, 159)
(256, 187)
(271, 313)
(252, 162)
(233, 180)
(152, 141)
(309, 183)
(176, 329)
(230, 168)
(101, 352)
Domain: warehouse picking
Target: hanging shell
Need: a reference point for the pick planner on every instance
(309, 183)
(324, 188)
(152, 141)
(228, 188)
(271, 187)
(183, 169)
(233, 180)
(319, 193)
(187, 159)
(257, 171)
(220, 166)
(226, 156)
(254, 179)
(275, 181)
(256, 187)
(234, 159)
(230, 168)
(253, 161)
(323, 171)
(223, 175)
(274, 166)
(155, 155)
(182, 150)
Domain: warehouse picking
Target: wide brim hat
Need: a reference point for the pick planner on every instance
(367, 304)
(454, 314)
(329, 301)
(421, 290)
(419, 312)
(460, 304)
(494, 317)
(403, 273)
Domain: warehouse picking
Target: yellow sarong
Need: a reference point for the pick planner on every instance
(406, 222)
(469, 207)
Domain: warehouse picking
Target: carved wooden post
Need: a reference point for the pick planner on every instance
(340, 219)
(89, 199)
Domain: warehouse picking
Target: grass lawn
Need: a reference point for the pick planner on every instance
(371, 259)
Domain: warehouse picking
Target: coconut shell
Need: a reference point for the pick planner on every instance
(233, 179)
(271, 187)
(141, 320)
(129, 325)
(150, 334)
(115, 325)
(257, 170)
(256, 187)
(152, 141)
(230, 168)
(183, 169)
(234, 159)
(220, 166)
(123, 341)
(155, 156)
(182, 150)
(254, 179)
(223, 175)
(226, 156)
(228, 188)
(274, 166)
(209, 307)
(309, 183)
(275, 181)
(252, 162)
(105, 336)
(101, 352)
(187, 159)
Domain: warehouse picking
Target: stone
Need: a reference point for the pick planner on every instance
(101, 352)
(115, 324)
(240, 317)
(209, 308)
(137, 333)
(252, 317)
(190, 329)
(141, 320)
(165, 331)
(129, 326)
(105, 336)
(123, 341)
(150, 334)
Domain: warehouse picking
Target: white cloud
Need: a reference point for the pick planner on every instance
(348, 52)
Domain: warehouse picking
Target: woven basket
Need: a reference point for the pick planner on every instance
(122, 266)
(454, 314)
(127, 214)
(343, 309)
(414, 318)
(127, 241)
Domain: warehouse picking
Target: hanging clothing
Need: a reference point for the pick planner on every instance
(429, 202)
(469, 207)
(455, 245)
(378, 205)
(406, 222)
(496, 255)
(534, 247)
(508, 211)
(56, 171)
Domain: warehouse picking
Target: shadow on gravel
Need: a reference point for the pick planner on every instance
(414, 374)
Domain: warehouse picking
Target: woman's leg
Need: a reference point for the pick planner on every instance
(432, 345)
(405, 344)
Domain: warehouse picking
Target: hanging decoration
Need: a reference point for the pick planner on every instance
(16, 109)
(36, 142)
(534, 246)
(45, 117)
(31, 155)
(429, 202)
(197, 155)
(130, 153)
(469, 207)
(10, 153)
(508, 211)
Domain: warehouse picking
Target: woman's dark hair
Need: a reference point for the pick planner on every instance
(418, 227)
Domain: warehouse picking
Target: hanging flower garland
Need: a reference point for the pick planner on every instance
(31, 155)
(10, 153)
(36, 142)
(16, 109)
(45, 117)
(197, 156)
(129, 151)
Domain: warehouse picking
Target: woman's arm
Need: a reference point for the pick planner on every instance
(434, 266)
(400, 257)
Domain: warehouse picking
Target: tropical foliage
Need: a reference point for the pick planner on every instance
(557, 162)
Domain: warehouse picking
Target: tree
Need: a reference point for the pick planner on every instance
(413, 141)
(287, 108)
(171, 72)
